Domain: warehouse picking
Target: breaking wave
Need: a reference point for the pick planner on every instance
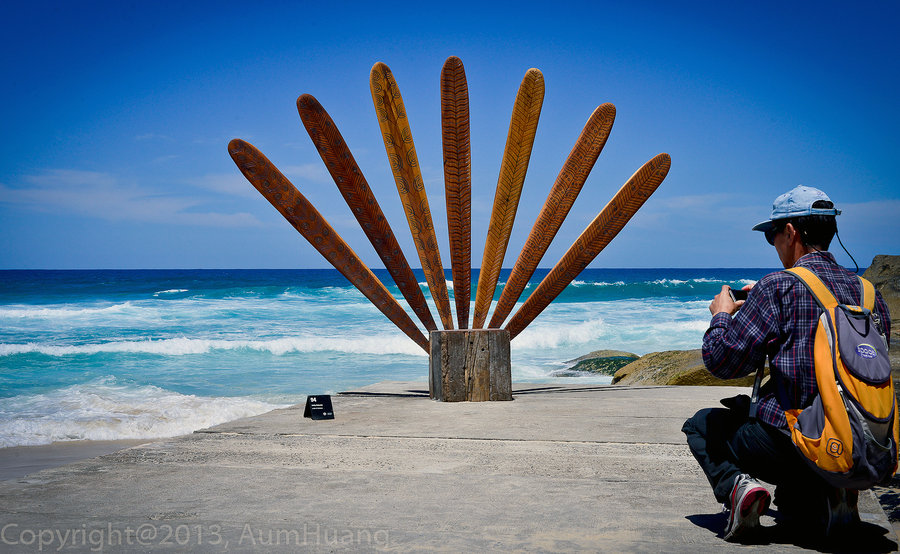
(106, 410)
(186, 346)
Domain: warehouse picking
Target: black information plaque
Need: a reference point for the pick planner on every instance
(319, 407)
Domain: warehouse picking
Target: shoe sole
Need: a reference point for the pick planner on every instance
(753, 505)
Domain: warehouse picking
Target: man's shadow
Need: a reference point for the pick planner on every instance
(859, 537)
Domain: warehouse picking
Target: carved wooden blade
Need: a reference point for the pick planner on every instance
(458, 181)
(562, 195)
(353, 186)
(603, 229)
(522, 127)
(401, 153)
(300, 213)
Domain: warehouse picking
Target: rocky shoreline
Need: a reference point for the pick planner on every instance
(685, 367)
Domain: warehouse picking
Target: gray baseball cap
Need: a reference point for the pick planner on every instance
(796, 203)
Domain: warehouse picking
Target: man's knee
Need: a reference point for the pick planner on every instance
(698, 423)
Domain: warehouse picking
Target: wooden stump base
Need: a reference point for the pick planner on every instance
(469, 365)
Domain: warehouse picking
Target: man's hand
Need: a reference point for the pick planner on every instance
(723, 303)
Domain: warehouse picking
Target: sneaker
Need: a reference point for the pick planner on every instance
(843, 510)
(749, 499)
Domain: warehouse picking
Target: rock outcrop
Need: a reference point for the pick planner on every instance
(673, 367)
(885, 275)
(604, 362)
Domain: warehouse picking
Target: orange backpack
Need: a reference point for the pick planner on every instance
(849, 433)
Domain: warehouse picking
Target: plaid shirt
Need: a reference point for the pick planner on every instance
(779, 319)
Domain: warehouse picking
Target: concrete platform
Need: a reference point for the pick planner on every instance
(560, 468)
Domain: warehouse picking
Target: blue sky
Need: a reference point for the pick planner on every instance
(116, 118)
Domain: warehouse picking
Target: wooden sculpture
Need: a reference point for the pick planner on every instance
(465, 364)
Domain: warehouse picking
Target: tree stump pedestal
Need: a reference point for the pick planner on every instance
(469, 365)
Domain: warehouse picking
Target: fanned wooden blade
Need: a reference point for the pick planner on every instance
(603, 229)
(522, 127)
(458, 181)
(562, 195)
(359, 196)
(300, 213)
(401, 152)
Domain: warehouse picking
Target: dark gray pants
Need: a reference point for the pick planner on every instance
(727, 443)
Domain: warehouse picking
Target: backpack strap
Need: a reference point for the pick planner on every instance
(816, 287)
(824, 298)
(867, 299)
(866, 293)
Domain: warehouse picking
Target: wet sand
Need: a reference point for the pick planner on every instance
(18, 461)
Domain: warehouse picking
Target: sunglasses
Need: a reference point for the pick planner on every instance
(771, 233)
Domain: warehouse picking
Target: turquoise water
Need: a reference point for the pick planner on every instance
(146, 354)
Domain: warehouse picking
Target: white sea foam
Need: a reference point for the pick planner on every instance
(698, 280)
(568, 330)
(185, 346)
(666, 282)
(552, 336)
(424, 284)
(169, 291)
(105, 410)
(56, 312)
(578, 283)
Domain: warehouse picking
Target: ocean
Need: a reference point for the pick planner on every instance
(126, 354)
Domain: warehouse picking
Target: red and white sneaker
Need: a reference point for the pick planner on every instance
(749, 499)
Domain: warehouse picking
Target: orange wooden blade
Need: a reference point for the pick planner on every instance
(359, 196)
(458, 181)
(516, 155)
(401, 152)
(598, 234)
(562, 195)
(300, 213)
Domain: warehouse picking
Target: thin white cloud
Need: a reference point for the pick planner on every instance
(881, 217)
(307, 172)
(232, 184)
(153, 136)
(698, 209)
(105, 196)
(165, 159)
(887, 210)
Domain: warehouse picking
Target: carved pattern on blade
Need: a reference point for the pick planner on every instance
(300, 213)
(458, 181)
(516, 154)
(562, 195)
(401, 154)
(598, 234)
(359, 196)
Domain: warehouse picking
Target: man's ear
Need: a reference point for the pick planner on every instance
(791, 232)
